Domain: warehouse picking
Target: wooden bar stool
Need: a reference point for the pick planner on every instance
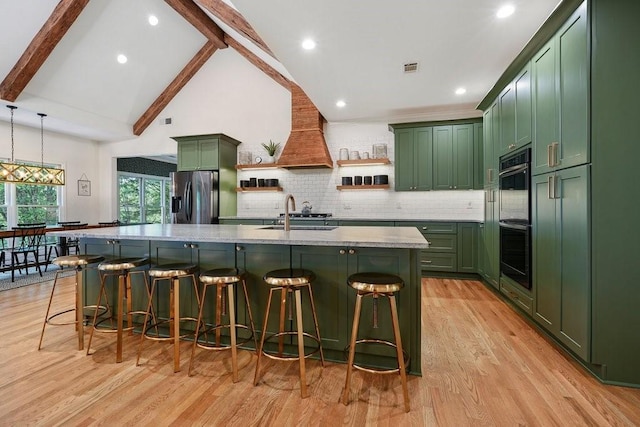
(376, 285)
(223, 279)
(289, 281)
(121, 267)
(79, 263)
(173, 273)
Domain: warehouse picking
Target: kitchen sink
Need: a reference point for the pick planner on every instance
(301, 227)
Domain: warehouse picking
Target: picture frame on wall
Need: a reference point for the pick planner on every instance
(84, 187)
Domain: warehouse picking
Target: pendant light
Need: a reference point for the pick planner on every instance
(27, 174)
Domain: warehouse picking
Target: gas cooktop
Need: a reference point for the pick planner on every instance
(309, 215)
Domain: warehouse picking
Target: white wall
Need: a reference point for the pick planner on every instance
(229, 95)
(77, 156)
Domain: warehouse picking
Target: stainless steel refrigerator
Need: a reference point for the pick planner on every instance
(195, 197)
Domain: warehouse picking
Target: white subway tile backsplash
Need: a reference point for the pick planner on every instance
(318, 186)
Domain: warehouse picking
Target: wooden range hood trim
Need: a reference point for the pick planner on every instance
(306, 146)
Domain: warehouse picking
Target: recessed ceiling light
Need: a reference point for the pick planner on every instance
(153, 20)
(461, 91)
(341, 104)
(506, 10)
(122, 59)
(308, 44)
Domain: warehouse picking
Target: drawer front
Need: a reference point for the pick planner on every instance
(442, 242)
(430, 227)
(519, 298)
(438, 261)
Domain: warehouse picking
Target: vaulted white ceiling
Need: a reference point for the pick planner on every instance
(362, 47)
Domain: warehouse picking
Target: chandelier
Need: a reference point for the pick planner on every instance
(30, 174)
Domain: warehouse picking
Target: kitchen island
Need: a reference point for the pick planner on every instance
(332, 253)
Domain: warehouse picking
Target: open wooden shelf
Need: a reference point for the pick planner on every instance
(363, 187)
(364, 162)
(258, 166)
(249, 189)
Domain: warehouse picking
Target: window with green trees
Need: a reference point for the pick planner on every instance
(143, 199)
(37, 203)
(3, 206)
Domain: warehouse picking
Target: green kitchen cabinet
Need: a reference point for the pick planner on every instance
(467, 248)
(490, 245)
(206, 152)
(335, 300)
(515, 113)
(478, 156)
(490, 142)
(522, 87)
(111, 249)
(205, 256)
(242, 221)
(453, 157)
(561, 256)
(481, 251)
(413, 161)
(365, 223)
(507, 102)
(561, 98)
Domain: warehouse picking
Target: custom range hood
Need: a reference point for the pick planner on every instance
(306, 147)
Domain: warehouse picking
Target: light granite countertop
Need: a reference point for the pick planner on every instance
(380, 237)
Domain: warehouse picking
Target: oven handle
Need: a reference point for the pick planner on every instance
(514, 169)
(513, 225)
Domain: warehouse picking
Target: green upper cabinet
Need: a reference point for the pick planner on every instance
(561, 256)
(204, 152)
(522, 87)
(507, 101)
(438, 155)
(561, 98)
(478, 178)
(413, 159)
(487, 148)
(453, 155)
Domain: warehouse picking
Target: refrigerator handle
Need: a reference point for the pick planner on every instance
(188, 201)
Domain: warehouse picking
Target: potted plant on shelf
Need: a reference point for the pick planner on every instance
(271, 148)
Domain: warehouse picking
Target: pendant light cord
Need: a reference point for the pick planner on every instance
(11, 107)
(42, 116)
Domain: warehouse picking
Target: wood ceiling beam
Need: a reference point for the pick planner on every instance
(255, 60)
(200, 20)
(235, 20)
(174, 87)
(56, 26)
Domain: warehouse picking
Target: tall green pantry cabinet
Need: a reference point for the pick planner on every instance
(584, 104)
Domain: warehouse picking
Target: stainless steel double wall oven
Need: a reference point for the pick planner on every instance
(515, 217)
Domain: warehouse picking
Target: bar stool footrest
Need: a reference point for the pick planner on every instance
(290, 357)
(114, 329)
(222, 347)
(378, 370)
(166, 321)
(101, 310)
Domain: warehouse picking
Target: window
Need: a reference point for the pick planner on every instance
(143, 199)
(37, 203)
(3, 206)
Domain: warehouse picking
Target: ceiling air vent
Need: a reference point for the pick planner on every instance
(411, 67)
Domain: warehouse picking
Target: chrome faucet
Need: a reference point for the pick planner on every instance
(287, 220)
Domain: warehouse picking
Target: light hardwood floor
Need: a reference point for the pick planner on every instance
(482, 365)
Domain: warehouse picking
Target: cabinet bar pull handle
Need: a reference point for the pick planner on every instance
(549, 163)
(427, 262)
(549, 186)
(554, 153)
